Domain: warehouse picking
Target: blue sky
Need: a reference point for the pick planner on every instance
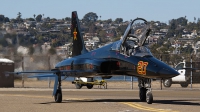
(157, 10)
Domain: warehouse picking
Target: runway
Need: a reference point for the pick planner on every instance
(98, 100)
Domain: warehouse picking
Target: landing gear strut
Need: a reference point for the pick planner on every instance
(58, 95)
(145, 90)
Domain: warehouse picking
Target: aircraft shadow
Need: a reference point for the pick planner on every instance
(178, 102)
(173, 102)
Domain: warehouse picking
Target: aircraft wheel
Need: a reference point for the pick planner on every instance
(142, 93)
(167, 82)
(149, 97)
(78, 86)
(58, 96)
(90, 86)
(184, 85)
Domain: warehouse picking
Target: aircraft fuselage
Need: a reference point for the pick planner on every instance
(106, 62)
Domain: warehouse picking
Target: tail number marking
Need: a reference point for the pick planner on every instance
(141, 68)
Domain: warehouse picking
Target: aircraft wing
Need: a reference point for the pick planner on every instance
(51, 73)
(43, 71)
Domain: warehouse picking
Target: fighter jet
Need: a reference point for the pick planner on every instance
(127, 56)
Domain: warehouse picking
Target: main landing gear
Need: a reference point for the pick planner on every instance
(145, 90)
(58, 94)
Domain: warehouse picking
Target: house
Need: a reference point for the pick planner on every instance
(29, 24)
(89, 35)
(189, 34)
(64, 50)
(152, 39)
(92, 44)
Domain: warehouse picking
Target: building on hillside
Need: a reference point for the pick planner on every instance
(64, 50)
(29, 24)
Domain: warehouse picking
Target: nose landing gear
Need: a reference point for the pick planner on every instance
(145, 93)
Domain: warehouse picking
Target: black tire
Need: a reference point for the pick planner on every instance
(167, 83)
(149, 97)
(78, 86)
(142, 94)
(58, 96)
(184, 85)
(89, 86)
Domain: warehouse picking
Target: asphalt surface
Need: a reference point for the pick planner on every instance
(98, 100)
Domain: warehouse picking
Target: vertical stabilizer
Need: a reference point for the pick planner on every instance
(78, 43)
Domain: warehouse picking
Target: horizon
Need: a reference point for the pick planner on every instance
(156, 10)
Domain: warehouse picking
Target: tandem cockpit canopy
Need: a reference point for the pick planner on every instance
(133, 40)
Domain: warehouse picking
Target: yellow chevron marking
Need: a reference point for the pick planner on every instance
(138, 106)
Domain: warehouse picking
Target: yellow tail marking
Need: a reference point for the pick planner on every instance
(75, 33)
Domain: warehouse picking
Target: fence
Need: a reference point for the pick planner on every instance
(27, 63)
(174, 59)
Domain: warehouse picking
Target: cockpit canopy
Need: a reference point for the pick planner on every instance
(134, 38)
(139, 29)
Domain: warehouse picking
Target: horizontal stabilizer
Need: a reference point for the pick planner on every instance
(44, 75)
(31, 72)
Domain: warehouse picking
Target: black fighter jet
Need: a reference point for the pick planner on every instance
(127, 56)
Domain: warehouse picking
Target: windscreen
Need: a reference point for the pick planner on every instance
(179, 66)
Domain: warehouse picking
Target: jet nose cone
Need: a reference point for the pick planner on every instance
(168, 72)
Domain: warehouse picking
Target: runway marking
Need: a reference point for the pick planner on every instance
(138, 106)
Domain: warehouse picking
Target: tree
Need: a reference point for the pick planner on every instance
(182, 21)
(32, 25)
(2, 18)
(109, 21)
(118, 20)
(13, 20)
(3, 42)
(46, 25)
(48, 19)
(92, 29)
(6, 19)
(67, 19)
(19, 19)
(31, 19)
(53, 19)
(31, 50)
(39, 18)
(188, 49)
(102, 33)
(90, 17)
(52, 51)
(121, 29)
(19, 15)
